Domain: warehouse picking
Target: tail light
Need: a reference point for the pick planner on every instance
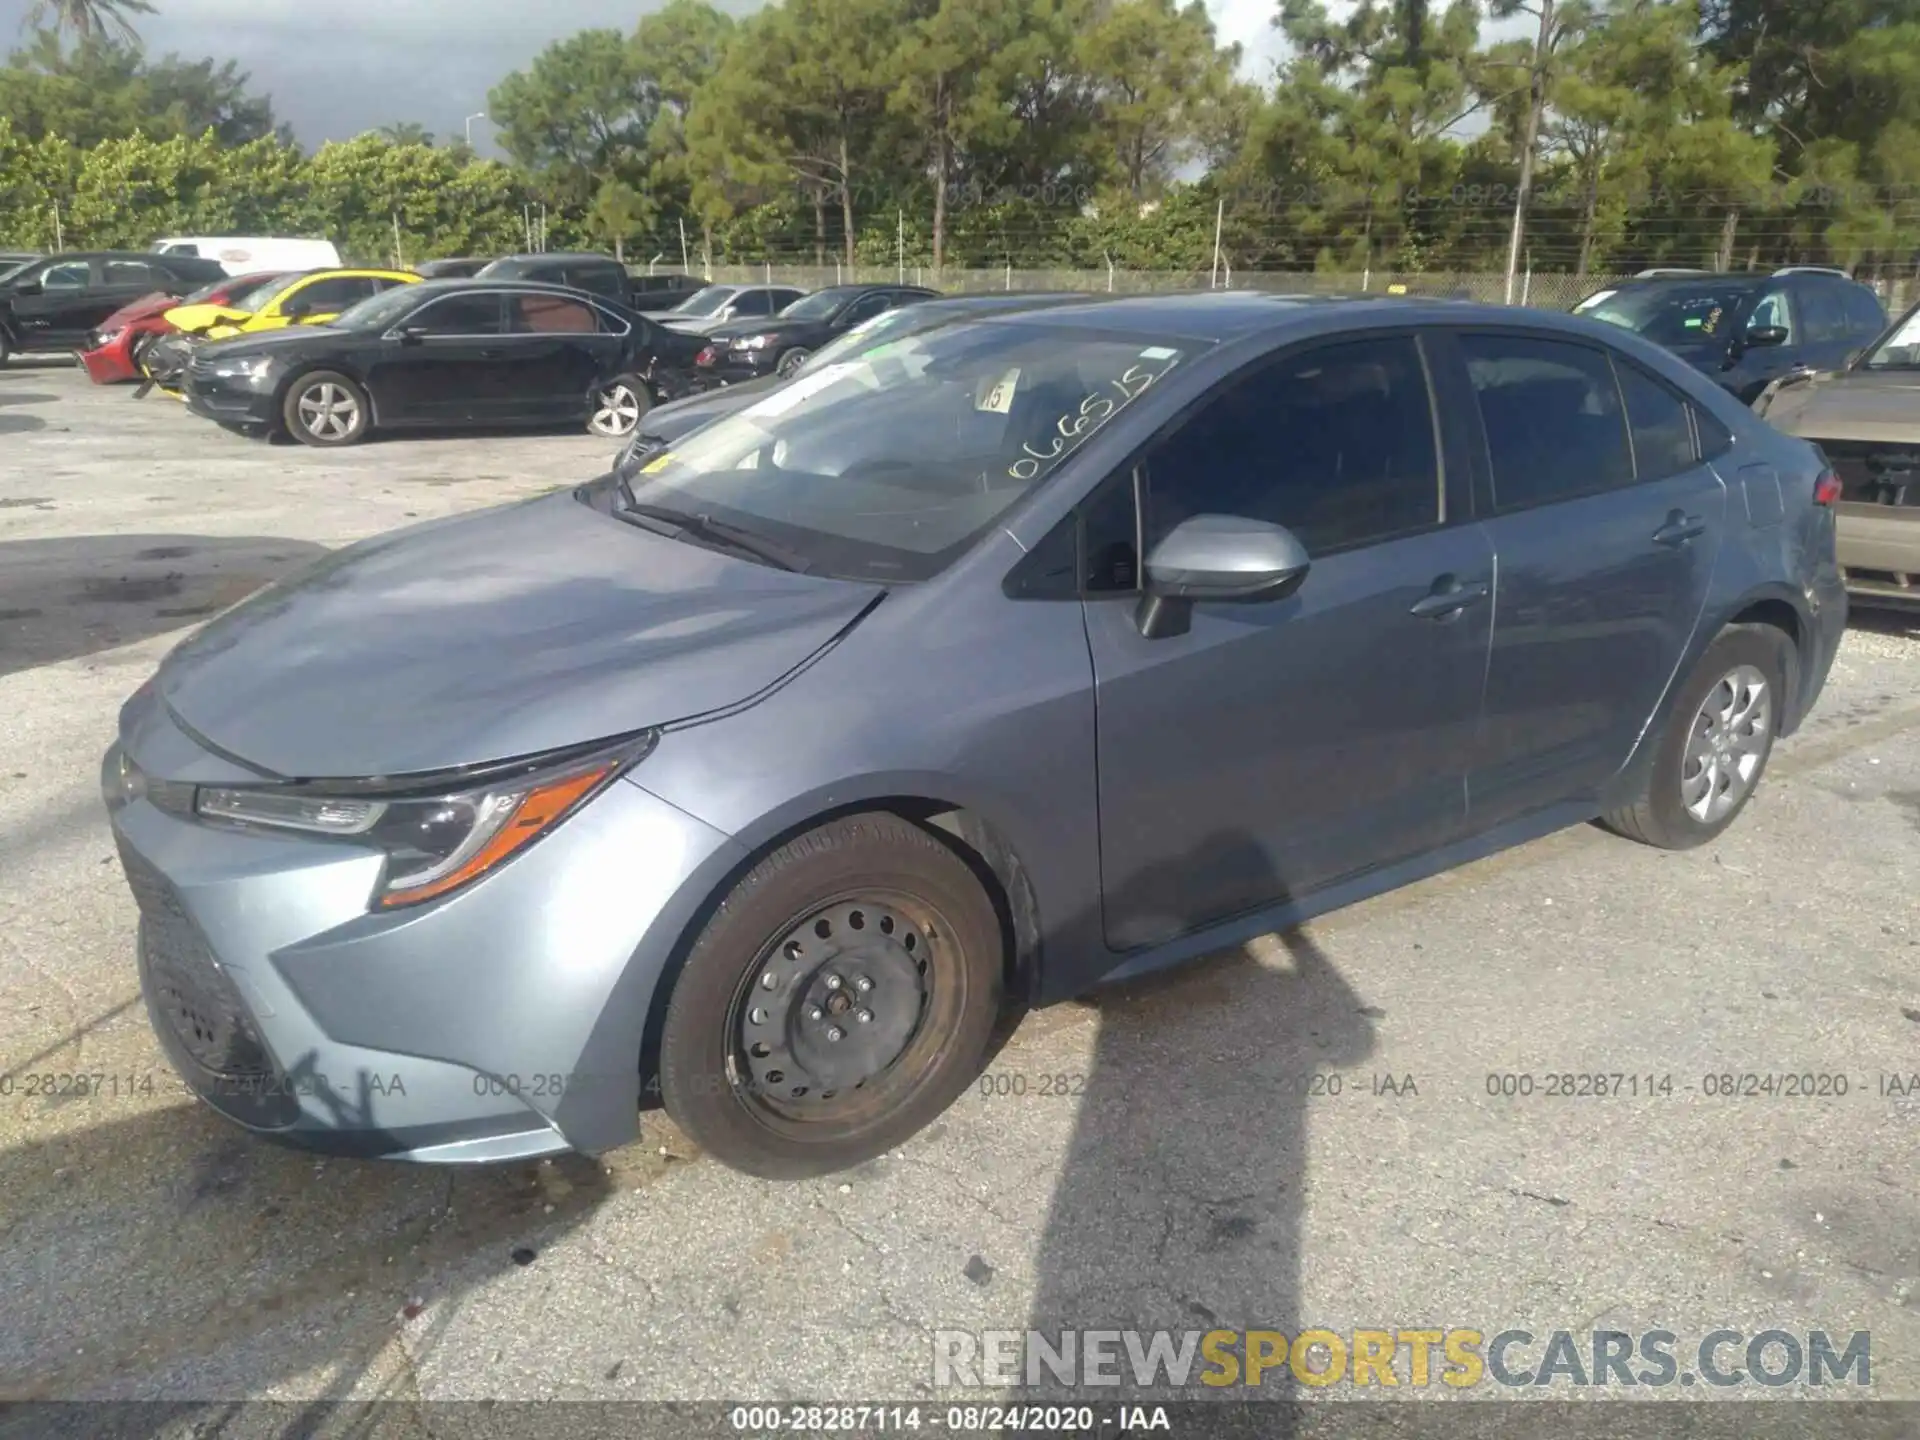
(1827, 489)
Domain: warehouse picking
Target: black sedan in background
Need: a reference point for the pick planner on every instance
(440, 354)
(749, 349)
(666, 424)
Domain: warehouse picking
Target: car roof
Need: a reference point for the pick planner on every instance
(460, 284)
(549, 257)
(1218, 316)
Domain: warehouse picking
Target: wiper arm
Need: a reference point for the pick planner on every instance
(717, 532)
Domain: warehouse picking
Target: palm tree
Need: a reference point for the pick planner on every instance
(88, 19)
(405, 132)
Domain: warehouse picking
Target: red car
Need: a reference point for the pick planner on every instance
(123, 337)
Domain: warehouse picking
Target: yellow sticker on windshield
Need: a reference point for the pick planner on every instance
(999, 400)
(657, 464)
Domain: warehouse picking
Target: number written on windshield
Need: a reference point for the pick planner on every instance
(1077, 423)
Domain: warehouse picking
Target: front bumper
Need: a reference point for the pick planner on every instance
(229, 402)
(502, 1022)
(731, 367)
(1879, 548)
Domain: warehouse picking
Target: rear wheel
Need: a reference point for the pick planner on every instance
(1709, 759)
(617, 409)
(841, 997)
(6, 345)
(326, 409)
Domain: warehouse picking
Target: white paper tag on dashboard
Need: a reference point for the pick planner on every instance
(999, 400)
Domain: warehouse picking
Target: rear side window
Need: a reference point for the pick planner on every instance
(134, 272)
(753, 302)
(1865, 316)
(1555, 426)
(1824, 321)
(1715, 438)
(1336, 443)
(599, 279)
(551, 315)
(1657, 420)
(326, 297)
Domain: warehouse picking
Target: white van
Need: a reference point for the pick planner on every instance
(242, 254)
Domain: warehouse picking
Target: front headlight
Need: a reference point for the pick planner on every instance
(251, 367)
(443, 838)
(753, 342)
(104, 338)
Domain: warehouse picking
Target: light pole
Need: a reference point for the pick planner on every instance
(480, 115)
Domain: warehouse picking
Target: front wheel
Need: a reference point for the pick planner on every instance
(137, 353)
(618, 407)
(842, 996)
(790, 363)
(1709, 759)
(326, 409)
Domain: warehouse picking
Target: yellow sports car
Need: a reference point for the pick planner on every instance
(309, 297)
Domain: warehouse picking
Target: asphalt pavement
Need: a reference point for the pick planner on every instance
(1174, 1154)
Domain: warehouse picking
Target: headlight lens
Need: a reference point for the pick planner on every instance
(438, 842)
(252, 367)
(102, 338)
(753, 342)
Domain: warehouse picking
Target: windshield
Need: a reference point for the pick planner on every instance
(377, 311)
(820, 305)
(1669, 314)
(704, 302)
(1899, 349)
(887, 466)
(257, 300)
(887, 325)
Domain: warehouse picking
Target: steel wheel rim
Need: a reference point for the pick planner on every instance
(878, 956)
(1726, 744)
(790, 362)
(616, 411)
(327, 411)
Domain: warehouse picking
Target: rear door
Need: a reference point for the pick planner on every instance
(556, 352)
(1604, 525)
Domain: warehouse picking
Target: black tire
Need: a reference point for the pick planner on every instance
(6, 346)
(310, 394)
(1661, 816)
(936, 1001)
(599, 422)
(137, 353)
(791, 361)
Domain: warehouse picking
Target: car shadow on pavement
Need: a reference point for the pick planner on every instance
(1178, 1206)
(162, 1253)
(71, 596)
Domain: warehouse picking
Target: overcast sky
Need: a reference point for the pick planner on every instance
(346, 66)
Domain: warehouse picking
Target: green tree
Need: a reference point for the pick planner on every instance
(405, 132)
(87, 20)
(678, 51)
(1157, 74)
(578, 116)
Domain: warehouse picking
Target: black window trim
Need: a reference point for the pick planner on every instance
(1687, 408)
(413, 317)
(1014, 586)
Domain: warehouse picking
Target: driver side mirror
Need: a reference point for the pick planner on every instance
(1219, 558)
(1762, 336)
(412, 334)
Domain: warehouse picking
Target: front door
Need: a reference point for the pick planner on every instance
(444, 364)
(1604, 524)
(67, 305)
(1277, 747)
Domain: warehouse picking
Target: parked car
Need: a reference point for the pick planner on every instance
(242, 254)
(597, 275)
(1746, 330)
(442, 353)
(666, 424)
(705, 310)
(1866, 419)
(458, 269)
(1032, 651)
(51, 305)
(14, 261)
(117, 350)
(307, 297)
(749, 349)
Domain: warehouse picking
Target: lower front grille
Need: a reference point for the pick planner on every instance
(189, 991)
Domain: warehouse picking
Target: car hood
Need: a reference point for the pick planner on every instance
(1860, 405)
(490, 636)
(267, 342)
(145, 308)
(772, 325)
(194, 318)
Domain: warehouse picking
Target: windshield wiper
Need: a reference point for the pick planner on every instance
(715, 532)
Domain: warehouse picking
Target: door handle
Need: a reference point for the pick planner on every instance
(1679, 529)
(1448, 597)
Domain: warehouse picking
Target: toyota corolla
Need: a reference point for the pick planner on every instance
(1029, 652)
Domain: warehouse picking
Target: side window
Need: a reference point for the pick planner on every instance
(1662, 434)
(784, 298)
(134, 272)
(1336, 443)
(191, 251)
(1772, 310)
(381, 284)
(595, 279)
(1555, 426)
(1822, 320)
(865, 308)
(330, 296)
(1109, 556)
(535, 314)
(753, 302)
(1715, 438)
(1865, 317)
(461, 315)
(74, 275)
